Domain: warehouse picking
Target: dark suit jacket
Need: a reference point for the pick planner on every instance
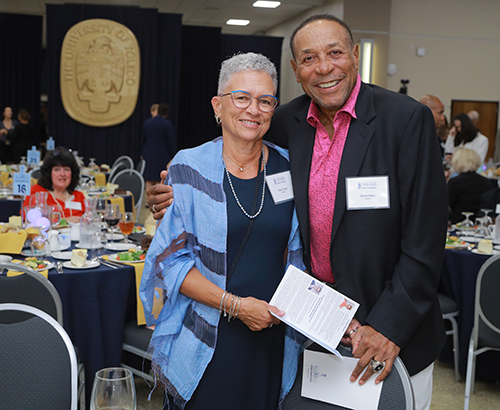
(388, 260)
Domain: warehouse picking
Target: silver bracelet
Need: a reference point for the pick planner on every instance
(222, 300)
(239, 304)
(225, 303)
(230, 310)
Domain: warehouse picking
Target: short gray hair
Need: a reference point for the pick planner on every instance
(246, 62)
(465, 160)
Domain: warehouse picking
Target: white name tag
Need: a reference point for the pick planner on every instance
(367, 192)
(280, 186)
(77, 206)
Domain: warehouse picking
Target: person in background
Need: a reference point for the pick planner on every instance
(159, 143)
(7, 127)
(463, 134)
(339, 132)
(465, 190)
(59, 177)
(23, 137)
(220, 249)
(154, 110)
(437, 108)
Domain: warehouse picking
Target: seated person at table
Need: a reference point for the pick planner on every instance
(464, 134)
(465, 190)
(59, 176)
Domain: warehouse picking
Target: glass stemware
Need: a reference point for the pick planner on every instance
(112, 217)
(126, 225)
(100, 207)
(113, 388)
(467, 226)
(488, 219)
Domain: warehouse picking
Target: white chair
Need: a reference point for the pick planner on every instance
(485, 334)
(132, 181)
(397, 391)
(125, 159)
(38, 363)
(450, 312)
(141, 166)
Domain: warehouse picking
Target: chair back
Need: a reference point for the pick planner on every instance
(124, 159)
(141, 166)
(487, 308)
(132, 181)
(116, 169)
(31, 288)
(38, 363)
(397, 391)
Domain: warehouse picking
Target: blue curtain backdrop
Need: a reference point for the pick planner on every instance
(21, 56)
(179, 66)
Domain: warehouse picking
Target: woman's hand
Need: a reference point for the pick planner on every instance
(255, 314)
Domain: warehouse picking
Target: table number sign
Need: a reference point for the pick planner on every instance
(22, 182)
(50, 144)
(33, 156)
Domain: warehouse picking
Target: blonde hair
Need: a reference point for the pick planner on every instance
(465, 160)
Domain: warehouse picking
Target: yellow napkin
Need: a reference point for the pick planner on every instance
(100, 179)
(12, 242)
(118, 200)
(16, 273)
(4, 177)
(139, 267)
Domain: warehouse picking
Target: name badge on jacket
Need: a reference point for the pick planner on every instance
(70, 204)
(367, 192)
(280, 186)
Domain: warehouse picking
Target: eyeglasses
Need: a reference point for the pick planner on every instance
(242, 99)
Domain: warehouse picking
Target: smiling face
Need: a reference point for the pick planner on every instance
(61, 177)
(244, 124)
(326, 64)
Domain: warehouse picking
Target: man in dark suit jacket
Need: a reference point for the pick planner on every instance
(387, 259)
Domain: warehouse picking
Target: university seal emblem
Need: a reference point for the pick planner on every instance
(100, 68)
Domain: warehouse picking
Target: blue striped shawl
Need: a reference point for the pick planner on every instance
(193, 232)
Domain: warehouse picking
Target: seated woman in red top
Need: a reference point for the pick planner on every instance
(59, 176)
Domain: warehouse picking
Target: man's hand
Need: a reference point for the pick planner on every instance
(160, 197)
(351, 331)
(369, 344)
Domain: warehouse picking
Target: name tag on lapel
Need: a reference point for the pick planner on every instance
(367, 192)
(280, 186)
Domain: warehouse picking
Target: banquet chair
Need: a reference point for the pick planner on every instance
(450, 312)
(116, 169)
(485, 334)
(38, 363)
(396, 394)
(30, 288)
(33, 289)
(124, 159)
(141, 166)
(132, 181)
(135, 356)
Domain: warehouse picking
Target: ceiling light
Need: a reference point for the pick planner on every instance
(236, 22)
(267, 4)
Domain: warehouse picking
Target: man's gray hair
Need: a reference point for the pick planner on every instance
(246, 62)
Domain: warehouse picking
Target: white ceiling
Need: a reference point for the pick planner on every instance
(213, 13)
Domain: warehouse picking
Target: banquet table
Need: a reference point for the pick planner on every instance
(96, 303)
(458, 280)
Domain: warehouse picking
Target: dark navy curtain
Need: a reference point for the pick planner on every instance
(20, 66)
(159, 48)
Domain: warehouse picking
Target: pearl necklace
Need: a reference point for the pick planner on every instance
(263, 189)
(240, 168)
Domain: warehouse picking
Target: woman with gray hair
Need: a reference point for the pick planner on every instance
(465, 190)
(219, 254)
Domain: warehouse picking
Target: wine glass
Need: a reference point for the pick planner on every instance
(112, 217)
(56, 214)
(467, 226)
(126, 225)
(113, 388)
(488, 221)
(100, 207)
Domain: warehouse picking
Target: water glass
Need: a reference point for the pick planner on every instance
(113, 388)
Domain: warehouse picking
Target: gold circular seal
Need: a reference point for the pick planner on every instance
(100, 69)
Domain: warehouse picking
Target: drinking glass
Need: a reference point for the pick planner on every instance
(467, 225)
(100, 207)
(126, 225)
(113, 388)
(488, 221)
(56, 214)
(112, 216)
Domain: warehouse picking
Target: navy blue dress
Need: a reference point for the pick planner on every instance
(245, 372)
(159, 145)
